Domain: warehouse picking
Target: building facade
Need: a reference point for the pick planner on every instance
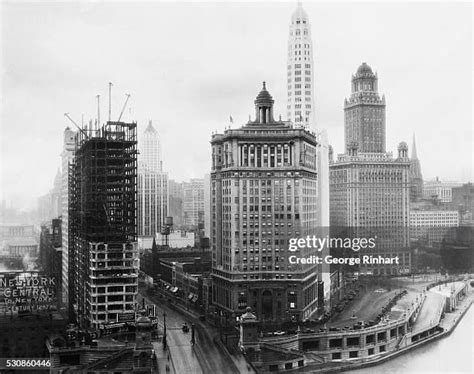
(67, 156)
(207, 205)
(50, 253)
(432, 225)
(264, 191)
(442, 190)
(369, 188)
(463, 201)
(300, 65)
(364, 113)
(14, 231)
(103, 223)
(176, 202)
(152, 185)
(193, 203)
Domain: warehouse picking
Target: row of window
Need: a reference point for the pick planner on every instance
(298, 66)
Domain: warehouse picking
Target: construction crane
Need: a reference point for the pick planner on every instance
(75, 124)
(123, 108)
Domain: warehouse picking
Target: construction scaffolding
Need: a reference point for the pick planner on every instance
(103, 222)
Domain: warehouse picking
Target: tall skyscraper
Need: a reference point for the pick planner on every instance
(175, 208)
(103, 223)
(67, 156)
(369, 188)
(152, 185)
(300, 67)
(193, 202)
(416, 178)
(364, 113)
(264, 191)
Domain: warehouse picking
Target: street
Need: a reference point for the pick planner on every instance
(204, 357)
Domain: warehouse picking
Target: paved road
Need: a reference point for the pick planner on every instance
(204, 357)
(430, 311)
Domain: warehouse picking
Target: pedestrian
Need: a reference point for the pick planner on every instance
(167, 368)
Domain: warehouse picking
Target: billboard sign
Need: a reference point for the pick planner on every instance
(29, 292)
(126, 317)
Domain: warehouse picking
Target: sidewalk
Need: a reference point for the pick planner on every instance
(239, 360)
(164, 358)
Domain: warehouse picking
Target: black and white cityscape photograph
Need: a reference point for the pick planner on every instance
(225, 187)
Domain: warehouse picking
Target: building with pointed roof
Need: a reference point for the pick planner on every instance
(153, 197)
(300, 70)
(416, 178)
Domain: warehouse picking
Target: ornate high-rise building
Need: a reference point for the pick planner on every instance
(364, 113)
(300, 66)
(416, 178)
(153, 194)
(264, 191)
(369, 188)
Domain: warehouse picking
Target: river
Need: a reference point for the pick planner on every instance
(453, 354)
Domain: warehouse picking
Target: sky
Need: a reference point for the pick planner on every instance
(190, 66)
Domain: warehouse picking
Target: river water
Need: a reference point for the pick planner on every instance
(453, 354)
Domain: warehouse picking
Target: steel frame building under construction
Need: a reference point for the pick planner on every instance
(103, 224)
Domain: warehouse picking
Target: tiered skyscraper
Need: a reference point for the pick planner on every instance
(369, 189)
(264, 191)
(300, 105)
(364, 113)
(152, 185)
(103, 224)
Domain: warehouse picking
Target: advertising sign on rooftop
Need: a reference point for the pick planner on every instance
(25, 293)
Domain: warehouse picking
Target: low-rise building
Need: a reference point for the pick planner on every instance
(442, 190)
(432, 225)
